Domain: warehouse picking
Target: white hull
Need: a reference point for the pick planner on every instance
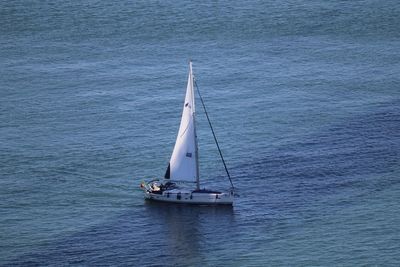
(191, 197)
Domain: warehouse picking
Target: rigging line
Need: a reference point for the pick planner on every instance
(212, 130)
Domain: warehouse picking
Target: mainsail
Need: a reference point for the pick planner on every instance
(183, 165)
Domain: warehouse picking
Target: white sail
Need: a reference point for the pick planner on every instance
(183, 162)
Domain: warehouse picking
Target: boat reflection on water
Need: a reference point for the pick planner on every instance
(185, 230)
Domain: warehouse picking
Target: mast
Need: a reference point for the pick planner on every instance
(183, 164)
(196, 152)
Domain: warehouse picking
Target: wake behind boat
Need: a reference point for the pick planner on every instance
(183, 167)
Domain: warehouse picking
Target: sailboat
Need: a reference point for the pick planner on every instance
(182, 173)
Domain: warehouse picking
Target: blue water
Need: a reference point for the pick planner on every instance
(304, 97)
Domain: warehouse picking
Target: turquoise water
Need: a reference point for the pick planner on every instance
(304, 97)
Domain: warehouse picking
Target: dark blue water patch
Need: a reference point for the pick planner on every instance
(354, 157)
(153, 234)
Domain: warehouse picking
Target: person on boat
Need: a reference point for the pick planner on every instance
(155, 187)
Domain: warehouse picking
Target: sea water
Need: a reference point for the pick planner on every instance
(304, 98)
